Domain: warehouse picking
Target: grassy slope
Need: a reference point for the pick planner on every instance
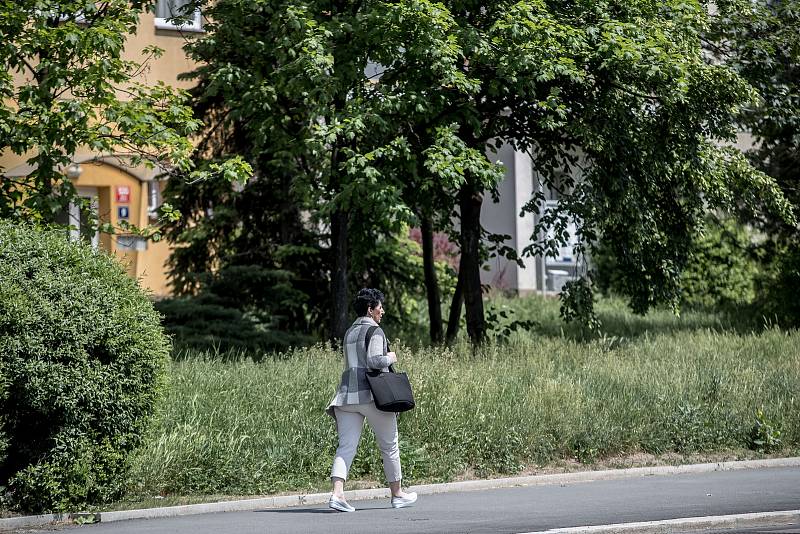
(658, 385)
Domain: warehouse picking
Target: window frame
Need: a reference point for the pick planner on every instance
(165, 24)
(154, 198)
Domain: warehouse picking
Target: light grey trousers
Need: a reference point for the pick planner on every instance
(350, 422)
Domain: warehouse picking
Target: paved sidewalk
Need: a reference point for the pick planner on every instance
(282, 502)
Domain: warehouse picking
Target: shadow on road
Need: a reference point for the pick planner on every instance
(318, 510)
(298, 511)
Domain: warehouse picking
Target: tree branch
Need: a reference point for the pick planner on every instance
(635, 93)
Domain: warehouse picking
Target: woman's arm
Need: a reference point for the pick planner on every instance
(377, 357)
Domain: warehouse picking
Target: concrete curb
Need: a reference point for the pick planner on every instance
(9, 523)
(686, 524)
(425, 489)
(610, 474)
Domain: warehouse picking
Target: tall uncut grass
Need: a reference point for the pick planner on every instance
(683, 385)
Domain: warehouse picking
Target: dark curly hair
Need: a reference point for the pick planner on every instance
(367, 298)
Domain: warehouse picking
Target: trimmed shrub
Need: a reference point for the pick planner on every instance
(84, 358)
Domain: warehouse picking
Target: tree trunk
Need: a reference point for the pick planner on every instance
(339, 217)
(339, 246)
(470, 200)
(339, 238)
(431, 284)
(454, 319)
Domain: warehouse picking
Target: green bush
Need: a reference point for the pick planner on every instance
(84, 356)
(779, 286)
(239, 308)
(721, 271)
(208, 322)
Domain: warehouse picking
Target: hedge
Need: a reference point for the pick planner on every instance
(84, 360)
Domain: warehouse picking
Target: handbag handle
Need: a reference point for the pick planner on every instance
(368, 337)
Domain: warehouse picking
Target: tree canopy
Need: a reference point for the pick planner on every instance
(365, 115)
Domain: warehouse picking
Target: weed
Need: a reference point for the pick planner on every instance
(764, 436)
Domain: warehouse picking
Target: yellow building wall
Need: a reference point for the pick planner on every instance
(153, 268)
(168, 66)
(147, 266)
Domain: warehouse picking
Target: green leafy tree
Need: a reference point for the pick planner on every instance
(627, 117)
(621, 112)
(288, 82)
(618, 104)
(65, 86)
(761, 40)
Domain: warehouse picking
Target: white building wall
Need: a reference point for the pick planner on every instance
(523, 192)
(500, 218)
(539, 275)
(515, 191)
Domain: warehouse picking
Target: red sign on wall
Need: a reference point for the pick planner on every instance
(123, 194)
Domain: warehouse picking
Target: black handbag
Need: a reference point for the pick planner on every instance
(392, 390)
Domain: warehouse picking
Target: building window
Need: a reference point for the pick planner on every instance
(81, 218)
(131, 243)
(166, 10)
(560, 187)
(153, 198)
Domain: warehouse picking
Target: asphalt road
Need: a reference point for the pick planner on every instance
(784, 529)
(523, 509)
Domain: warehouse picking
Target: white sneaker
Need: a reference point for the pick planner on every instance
(402, 502)
(341, 506)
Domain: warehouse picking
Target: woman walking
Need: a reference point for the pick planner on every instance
(353, 403)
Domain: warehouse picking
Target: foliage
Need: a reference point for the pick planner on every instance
(3, 398)
(394, 264)
(751, 276)
(68, 59)
(501, 322)
(761, 41)
(83, 355)
(208, 322)
(253, 230)
(244, 307)
(723, 269)
(577, 304)
(636, 149)
(370, 115)
(779, 283)
(408, 317)
(285, 85)
(444, 250)
(763, 437)
(65, 87)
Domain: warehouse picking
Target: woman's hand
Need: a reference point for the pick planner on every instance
(392, 357)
